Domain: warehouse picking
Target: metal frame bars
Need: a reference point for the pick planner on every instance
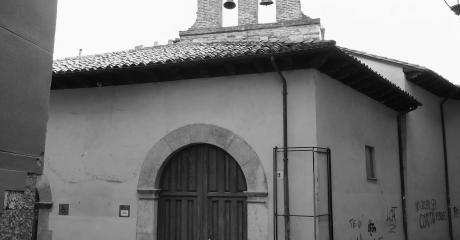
(314, 151)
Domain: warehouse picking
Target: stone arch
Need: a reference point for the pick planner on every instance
(237, 147)
(203, 133)
(44, 207)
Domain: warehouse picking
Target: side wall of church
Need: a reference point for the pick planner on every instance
(348, 121)
(427, 211)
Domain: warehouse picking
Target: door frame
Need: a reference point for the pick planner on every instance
(238, 148)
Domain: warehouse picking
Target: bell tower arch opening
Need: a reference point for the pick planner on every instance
(230, 11)
(267, 11)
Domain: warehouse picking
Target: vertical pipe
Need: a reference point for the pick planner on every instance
(401, 173)
(401, 169)
(275, 193)
(314, 193)
(446, 168)
(287, 228)
(329, 191)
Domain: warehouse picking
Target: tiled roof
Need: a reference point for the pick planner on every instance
(425, 77)
(386, 59)
(179, 53)
(192, 60)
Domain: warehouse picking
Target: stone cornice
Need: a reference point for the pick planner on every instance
(306, 21)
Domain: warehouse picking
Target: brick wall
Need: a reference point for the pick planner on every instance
(293, 31)
(288, 10)
(209, 14)
(248, 12)
(292, 25)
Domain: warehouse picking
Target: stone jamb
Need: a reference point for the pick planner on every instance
(148, 185)
(44, 208)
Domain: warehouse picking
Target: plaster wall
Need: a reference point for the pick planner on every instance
(452, 118)
(390, 71)
(347, 121)
(426, 199)
(423, 152)
(98, 138)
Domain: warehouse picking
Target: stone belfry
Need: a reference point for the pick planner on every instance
(287, 10)
(291, 24)
(209, 14)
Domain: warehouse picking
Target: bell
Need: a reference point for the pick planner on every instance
(456, 9)
(266, 2)
(229, 4)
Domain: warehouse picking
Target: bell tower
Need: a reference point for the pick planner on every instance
(291, 24)
(208, 15)
(248, 12)
(288, 10)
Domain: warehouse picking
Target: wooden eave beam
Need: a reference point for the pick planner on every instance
(358, 80)
(316, 60)
(333, 69)
(348, 75)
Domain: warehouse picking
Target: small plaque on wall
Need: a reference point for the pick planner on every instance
(123, 211)
(64, 209)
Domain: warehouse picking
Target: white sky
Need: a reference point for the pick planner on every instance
(421, 32)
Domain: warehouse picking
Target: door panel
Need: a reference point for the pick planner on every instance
(228, 218)
(178, 218)
(202, 196)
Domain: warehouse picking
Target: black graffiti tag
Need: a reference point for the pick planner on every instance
(371, 227)
(429, 205)
(391, 219)
(355, 223)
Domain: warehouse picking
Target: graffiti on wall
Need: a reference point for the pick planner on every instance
(391, 219)
(428, 214)
(371, 228)
(367, 229)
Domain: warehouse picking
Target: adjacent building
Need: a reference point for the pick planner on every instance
(26, 57)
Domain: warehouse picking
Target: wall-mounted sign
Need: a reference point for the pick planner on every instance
(123, 211)
(64, 209)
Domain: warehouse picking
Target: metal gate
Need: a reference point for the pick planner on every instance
(308, 214)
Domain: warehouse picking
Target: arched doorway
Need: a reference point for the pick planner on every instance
(202, 196)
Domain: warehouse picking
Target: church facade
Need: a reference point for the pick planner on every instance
(258, 131)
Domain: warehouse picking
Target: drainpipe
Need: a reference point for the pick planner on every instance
(446, 167)
(401, 169)
(287, 229)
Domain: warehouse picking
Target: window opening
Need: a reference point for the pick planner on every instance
(370, 163)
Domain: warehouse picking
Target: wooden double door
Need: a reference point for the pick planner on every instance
(202, 196)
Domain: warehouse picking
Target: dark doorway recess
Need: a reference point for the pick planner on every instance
(202, 196)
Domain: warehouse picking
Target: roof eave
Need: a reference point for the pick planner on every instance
(432, 82)
(409, 70)
(327, 58)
